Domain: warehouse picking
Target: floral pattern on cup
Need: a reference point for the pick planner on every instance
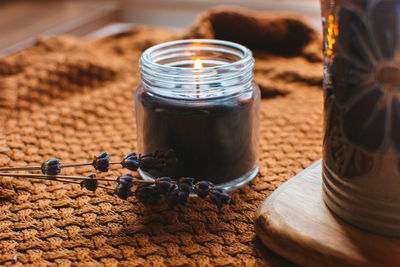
(365, 74)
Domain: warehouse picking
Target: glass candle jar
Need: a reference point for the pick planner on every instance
(361, 161)
(198, 99)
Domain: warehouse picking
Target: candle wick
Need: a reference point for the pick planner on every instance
(197, 89)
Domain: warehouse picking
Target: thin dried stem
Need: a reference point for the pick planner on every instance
(76, 164)
(21, 168)
(137, 181)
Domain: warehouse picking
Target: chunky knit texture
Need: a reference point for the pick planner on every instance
(72, 98)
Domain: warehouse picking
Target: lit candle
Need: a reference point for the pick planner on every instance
(197, 65)
(198, 98)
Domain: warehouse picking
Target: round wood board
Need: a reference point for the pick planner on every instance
(295, 223)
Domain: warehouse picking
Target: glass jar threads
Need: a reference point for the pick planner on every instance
(198, 99)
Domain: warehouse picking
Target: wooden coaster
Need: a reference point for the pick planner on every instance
(295, 223)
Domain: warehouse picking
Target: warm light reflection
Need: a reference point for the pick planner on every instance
(198, 64)
(333, 31)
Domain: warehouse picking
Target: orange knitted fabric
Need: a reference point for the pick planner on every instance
(72, 98)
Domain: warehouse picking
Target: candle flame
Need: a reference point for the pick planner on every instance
(198, 64)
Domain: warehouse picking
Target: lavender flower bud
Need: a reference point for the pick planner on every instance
(123, 189)
(164, 184)
(131, 162)
(142, 192)
(202, 188)
(225, 198)
(157, 160)
(90, 185)
(219, 198)
(122, 192)
(126, 179)
(150, 161)
(175, 197)
(183, 198)
(51, 167)
(186, 184)
(101, 162)
(148, 194)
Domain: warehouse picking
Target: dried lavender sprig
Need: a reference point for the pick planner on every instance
(149, 192)
(53, 166)
(81, 178)
(83, 181)
(32, 168)
(58, 179)
(101, 162)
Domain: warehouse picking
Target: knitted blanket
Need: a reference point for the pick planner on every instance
(72, 98)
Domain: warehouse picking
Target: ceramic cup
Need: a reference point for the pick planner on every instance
(361, 159)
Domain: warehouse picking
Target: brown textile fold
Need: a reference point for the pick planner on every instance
(71, 98)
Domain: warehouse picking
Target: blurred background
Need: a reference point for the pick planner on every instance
(23, 21)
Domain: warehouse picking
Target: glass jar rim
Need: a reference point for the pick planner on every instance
(168, 69)
(247, 54)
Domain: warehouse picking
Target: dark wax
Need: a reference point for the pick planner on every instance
(213, 140)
